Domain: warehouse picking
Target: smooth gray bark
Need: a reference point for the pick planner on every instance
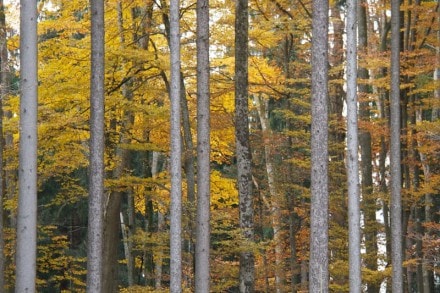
(395, 161)
(176, 153)
(95, 233)
(26, 249)
(244, 172)
(202, 270)
(354, 232)
(318, 263)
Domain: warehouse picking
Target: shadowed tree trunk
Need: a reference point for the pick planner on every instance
(274, 206)
(369, 201)
(112, 207)
(244, 172)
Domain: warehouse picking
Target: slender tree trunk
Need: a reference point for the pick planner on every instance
(127, 230)
(96, 177)
(130, 232)
(293, 229)
(428, 202)
(354, 216)
(428, 198)
(202, 277)
(127, 251)
(158, 259)
(244, 172)
(111, 219)
(275, 206)
(294, 221)
(336, 89)
(111, 242)
(113, 204)
(188, 165)
(318, 263)
(176, 152)
(27, 197)
(369, 200)
(395, 160)
(383, 109)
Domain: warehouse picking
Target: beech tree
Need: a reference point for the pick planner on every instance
(319, 259)
(242, 145)
(176, 152)
(97, 144)
(26, 251)
(203, 230)
(354, 217)
(369, 200)
(137, 148)
(395, 159)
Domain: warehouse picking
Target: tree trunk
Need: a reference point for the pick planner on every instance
(275, 206)
(127, 250)
(26, 249)
(318, 263)
(176, 153)
(112, 223)
(354, 231)
(188, 164)
(96, 175)
(244, 172)
(158, 258)
(202, 262)
(383, 109)
(369, 200)
(395, 160)
(125, 155)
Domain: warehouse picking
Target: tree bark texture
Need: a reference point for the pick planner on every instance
(318, 263)
(354, 217)
(96, 169)
(395, 160)
(202, 278)
(176, 153)
(26, 247)
(244, 172)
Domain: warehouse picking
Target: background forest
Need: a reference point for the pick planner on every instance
(137, 144)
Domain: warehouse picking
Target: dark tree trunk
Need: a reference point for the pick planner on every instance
(243, 152)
